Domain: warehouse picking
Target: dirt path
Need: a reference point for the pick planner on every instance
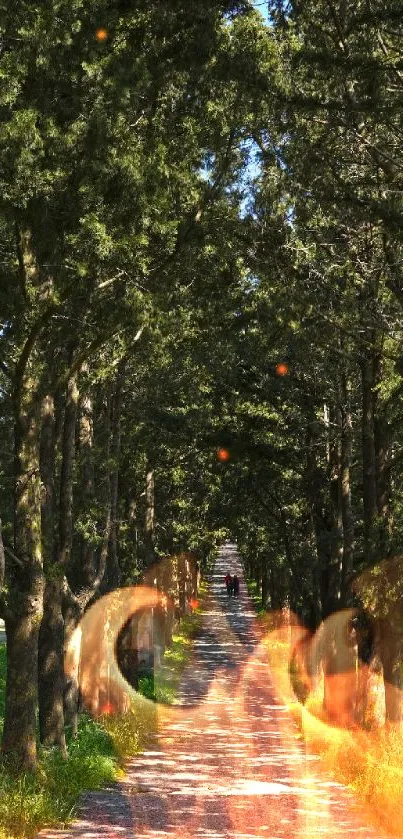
(227, 762)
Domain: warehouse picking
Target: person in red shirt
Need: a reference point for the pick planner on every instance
(229, 583)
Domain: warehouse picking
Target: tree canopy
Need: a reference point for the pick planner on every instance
(200, 251)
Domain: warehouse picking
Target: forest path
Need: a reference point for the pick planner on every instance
(227, 762)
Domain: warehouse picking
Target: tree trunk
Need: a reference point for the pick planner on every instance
(51, 670)
(336, 516)
(150, 517)
(113, 570)
(51, 651)
(66, 476)
(383, 492)
(72, 614)
(26, 588)
(19, 734)
(47, 470)
(389, 647)
(265, 582)
(315, 483)
(74, 607)
(2, 559)
(86, 440)
(345, 491)
(368, 457)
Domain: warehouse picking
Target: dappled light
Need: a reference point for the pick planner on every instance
(227, 760)
(201, 417)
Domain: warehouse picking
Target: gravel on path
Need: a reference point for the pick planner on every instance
(228, 762)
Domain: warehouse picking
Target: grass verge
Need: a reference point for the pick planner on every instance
(368, 761)
(129, 733)
(95, 758)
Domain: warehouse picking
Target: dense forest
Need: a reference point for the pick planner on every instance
(201, 298)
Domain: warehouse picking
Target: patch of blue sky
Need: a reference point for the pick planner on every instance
(207, 170)
(247, 177)
(262, 6)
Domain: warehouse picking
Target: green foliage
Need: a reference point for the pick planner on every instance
(3, 673)
(185, 205)
(29, 803)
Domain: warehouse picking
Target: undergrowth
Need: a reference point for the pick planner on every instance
(30, 802)
(368, 761)
(95, 757)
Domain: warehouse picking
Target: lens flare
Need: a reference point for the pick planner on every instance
(101, 34)
(101, 683)
(322, 667)
(282, 369)
(107, 709)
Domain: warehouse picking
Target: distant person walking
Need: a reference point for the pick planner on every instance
(235, 584)
(229, 583)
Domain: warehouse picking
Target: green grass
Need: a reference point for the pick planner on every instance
(95, 757)
(255, 595)
(165, 687)
(368, 760)
(29, 803)
(3, 667)
(178, 656)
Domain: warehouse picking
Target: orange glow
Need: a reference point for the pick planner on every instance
(223, 455)
(282, 369)
(101, 34)
(99, 678)
(194, 604)
(336, 682)
(107, 709)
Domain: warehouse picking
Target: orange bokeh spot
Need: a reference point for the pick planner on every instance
(223, 455)
(101, 34)
(194, 604)
(107, 708)
(282, 369)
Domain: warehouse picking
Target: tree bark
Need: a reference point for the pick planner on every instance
(345, 491)
(2, 559)
(390, 649)
(86, 441)
(113, 569)
(51, 670)
(51, 634)
(72, 613)
(383, 491)
(265, 582)
(368, 456)
(66, 476)
(336, 515)
(74, 606)
(47, 470)
(150, 517)
(315, 483)
(51, 650)
(26, 586)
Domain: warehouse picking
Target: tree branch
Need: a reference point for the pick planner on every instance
(14, 557)
(30, 342)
